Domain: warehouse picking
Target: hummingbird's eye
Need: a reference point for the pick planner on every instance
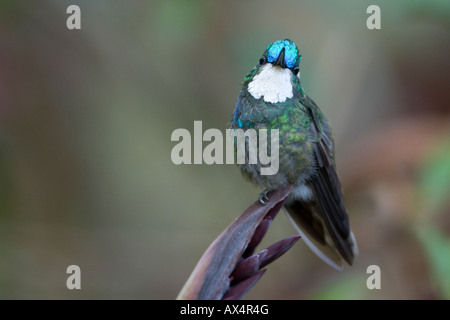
(295, 71)
(263, 60)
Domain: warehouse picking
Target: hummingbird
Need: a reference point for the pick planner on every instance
(272, 97)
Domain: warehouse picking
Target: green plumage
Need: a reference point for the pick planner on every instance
(293, 119)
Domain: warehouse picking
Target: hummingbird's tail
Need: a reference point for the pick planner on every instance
(326, 233)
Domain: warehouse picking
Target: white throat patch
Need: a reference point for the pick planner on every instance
(272, 83)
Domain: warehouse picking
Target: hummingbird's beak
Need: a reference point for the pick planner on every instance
(280, 61)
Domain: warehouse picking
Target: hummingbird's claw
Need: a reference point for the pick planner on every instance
(263, 196)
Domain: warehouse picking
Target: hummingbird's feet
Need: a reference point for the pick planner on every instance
(263, 196)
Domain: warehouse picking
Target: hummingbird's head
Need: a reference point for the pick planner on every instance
(273, 78)
(283, 54)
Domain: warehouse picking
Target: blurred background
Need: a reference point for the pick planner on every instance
(86, 117)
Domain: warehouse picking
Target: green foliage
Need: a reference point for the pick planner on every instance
(434, 181)
(345, 288)
(433, 187)
(437, 247)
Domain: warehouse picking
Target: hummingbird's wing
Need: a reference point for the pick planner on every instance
(323, 220)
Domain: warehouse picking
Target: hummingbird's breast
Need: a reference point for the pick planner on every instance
(296, 160)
